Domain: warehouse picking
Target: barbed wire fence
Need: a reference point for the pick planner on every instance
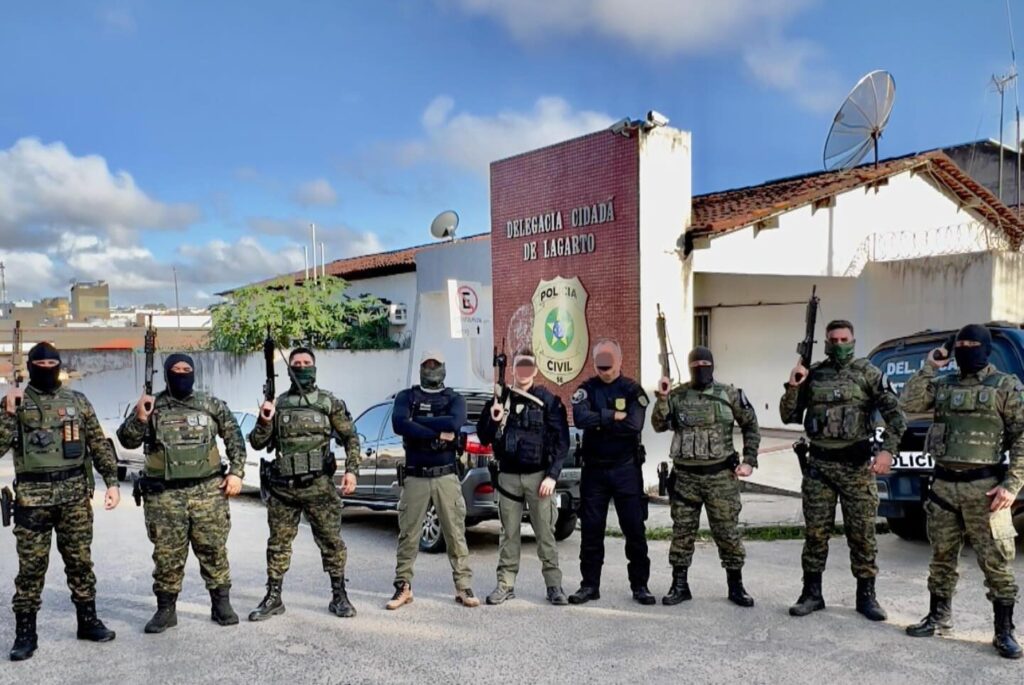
(941, 241)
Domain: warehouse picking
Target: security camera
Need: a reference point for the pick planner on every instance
(620, 127)
(656, 118)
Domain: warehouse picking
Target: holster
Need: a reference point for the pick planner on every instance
(6, 506)
(494, 470)
(663, 476)
(136, 491)
(401, 475)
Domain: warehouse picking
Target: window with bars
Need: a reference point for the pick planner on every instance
(702, 327)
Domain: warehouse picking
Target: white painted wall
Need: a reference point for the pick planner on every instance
(1008, 287)
(112, 380)
(665, 278)
(755, 346)
(826, 242)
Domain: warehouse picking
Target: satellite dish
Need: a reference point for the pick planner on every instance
(860, 121)
(444, 225)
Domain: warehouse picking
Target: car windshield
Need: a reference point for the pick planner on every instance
(903, 361)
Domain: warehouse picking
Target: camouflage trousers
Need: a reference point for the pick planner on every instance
(720, 494)
(991, 534)
(320, 503)
(858, 496)
(198, 515)
(72, 523)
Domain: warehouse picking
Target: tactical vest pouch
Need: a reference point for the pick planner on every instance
(186, 440)
(972, 425)
(50, 442)
(935, 440)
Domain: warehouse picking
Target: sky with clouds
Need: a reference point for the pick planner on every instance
(138, 137)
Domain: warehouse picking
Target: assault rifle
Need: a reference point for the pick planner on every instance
(805, 348)
(500, 364)
(269, 387)
(663, 354)
(150, 349)
(6, 496)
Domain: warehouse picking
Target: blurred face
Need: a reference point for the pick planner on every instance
(839, 336)
(607, 362)
(181, 367)
(959, 343)
(301, 360)
(525, 370)
(700, 362)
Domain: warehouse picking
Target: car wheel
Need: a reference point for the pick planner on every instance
(565, 525)
(432, 540)
(911, 526)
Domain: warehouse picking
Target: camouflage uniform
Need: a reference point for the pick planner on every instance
(704, 459)
(306, 488)
(184, 504)
(60, 506)
(835, 404)
(975, 417)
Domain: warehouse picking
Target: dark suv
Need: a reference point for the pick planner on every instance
(382, 453)
(899, 359)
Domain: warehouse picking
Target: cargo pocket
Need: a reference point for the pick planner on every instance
(1000, 524)
(935, 440)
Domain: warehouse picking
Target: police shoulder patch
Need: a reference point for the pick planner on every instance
(742, 397)
(642, 399)
(579, 396)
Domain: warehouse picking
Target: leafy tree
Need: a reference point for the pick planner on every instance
(319, 315)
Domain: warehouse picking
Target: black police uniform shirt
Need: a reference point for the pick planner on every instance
(608, 442)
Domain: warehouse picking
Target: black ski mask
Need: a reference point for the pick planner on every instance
(971, 360)
(179, 384)
(44, 379)
(701, 376)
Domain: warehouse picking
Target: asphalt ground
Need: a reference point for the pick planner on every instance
(433, 640)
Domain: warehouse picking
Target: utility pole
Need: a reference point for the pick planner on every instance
(1001, 82)
(3, 284)
(177, 305)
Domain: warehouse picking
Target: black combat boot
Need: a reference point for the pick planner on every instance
(584, 594)
(340, 606)
(89, 626)
(867, 603)
(680, 590)
(641, 595)
(271, 604)
(1004, 640)
(220, 607)
(25, 639)
(810, 598)
(737, 594)
(165, 616)
(938, 621)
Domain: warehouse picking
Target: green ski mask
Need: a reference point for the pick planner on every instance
(305, 377)
(840, 353)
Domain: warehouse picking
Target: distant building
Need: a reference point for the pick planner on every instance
(90, 301)
(56, 310)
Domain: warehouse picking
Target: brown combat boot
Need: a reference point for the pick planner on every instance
(466, 598)
(402, 596)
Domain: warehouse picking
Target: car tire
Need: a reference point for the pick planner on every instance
(565, 525)
(910, 526)
(432, 539)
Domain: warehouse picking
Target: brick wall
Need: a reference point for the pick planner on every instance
(582, 172)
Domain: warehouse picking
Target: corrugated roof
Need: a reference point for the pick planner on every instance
(721, 212)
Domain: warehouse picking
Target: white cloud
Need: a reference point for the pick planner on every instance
(45, 190)
(472, 141)
(246, 260)
(676, 27)
(317, 192)
(28, 273)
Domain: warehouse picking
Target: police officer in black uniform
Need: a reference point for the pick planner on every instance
(610, 409)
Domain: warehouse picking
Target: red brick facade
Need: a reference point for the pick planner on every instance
(530, 190)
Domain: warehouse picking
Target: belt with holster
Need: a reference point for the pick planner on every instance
(997, 471)
(708, 469)
(303, 481)
(856, 454)
(49, 476)
(430, 471)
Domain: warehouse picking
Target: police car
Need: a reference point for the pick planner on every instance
(900, 492)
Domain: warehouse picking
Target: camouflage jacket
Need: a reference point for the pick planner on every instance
(849, 419)
(341, 421)
(101, 455)
(667, 408)
(134, 433)
(919, 396)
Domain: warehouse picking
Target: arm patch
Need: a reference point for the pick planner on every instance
(579, 396)
(742, 397)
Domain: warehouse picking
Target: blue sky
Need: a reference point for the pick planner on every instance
(140, 136)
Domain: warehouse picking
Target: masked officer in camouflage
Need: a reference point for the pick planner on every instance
(429, 417)
(184, 493)
(56, 439)
(701, 414)
(529, 429)
(977, 413)
(298, 426)
(835, 400)
(610, 409)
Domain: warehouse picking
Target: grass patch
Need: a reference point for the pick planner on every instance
(756, 533)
